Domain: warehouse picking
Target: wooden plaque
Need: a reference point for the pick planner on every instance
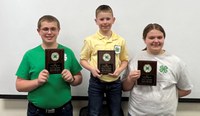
(54, 60)
(106, 61)
(148, 72)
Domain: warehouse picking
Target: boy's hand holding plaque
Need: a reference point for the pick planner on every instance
(106, 61)
(148, 72)
(54, 60)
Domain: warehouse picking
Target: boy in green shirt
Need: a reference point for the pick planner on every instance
(48, 93)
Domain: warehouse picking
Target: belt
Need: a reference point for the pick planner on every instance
(49, 111)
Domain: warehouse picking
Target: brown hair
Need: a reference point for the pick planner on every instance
(103, 8)
(48, 18)
(152, 26)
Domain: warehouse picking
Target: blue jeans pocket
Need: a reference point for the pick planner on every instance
(67, 110)
(32, 110)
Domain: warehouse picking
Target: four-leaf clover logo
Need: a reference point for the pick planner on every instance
(54, 56)
(163, 69)
(106, 57)
(147, 68)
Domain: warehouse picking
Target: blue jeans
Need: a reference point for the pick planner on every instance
(65, 110)
(113, 91)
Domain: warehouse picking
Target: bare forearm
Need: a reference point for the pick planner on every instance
(128, 84)
(26, 85)
(182, 93)
(86, 65)
(123, 66)
(77, 79)
(95, 72)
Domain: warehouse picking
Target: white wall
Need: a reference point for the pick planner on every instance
(18, 108)
(180, 18)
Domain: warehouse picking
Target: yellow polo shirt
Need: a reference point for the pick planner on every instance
(97, 42)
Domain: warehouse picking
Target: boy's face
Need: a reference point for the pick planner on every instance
(105, 20)
(48, 32)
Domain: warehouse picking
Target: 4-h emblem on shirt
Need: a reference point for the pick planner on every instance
(163, 69)
(65, 57)
(106, 57)
(147, 68)
(54, 56)
(117, 49)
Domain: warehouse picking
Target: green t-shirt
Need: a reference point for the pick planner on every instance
(55, 92)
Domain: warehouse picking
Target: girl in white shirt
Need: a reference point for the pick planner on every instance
(172, 78)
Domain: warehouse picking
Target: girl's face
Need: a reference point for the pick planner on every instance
(104, 20)
(48, 32)
(154, 42)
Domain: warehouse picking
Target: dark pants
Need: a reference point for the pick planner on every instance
(113, 91)
(65, 110)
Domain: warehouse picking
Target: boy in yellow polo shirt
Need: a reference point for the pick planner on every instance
(110, 84)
